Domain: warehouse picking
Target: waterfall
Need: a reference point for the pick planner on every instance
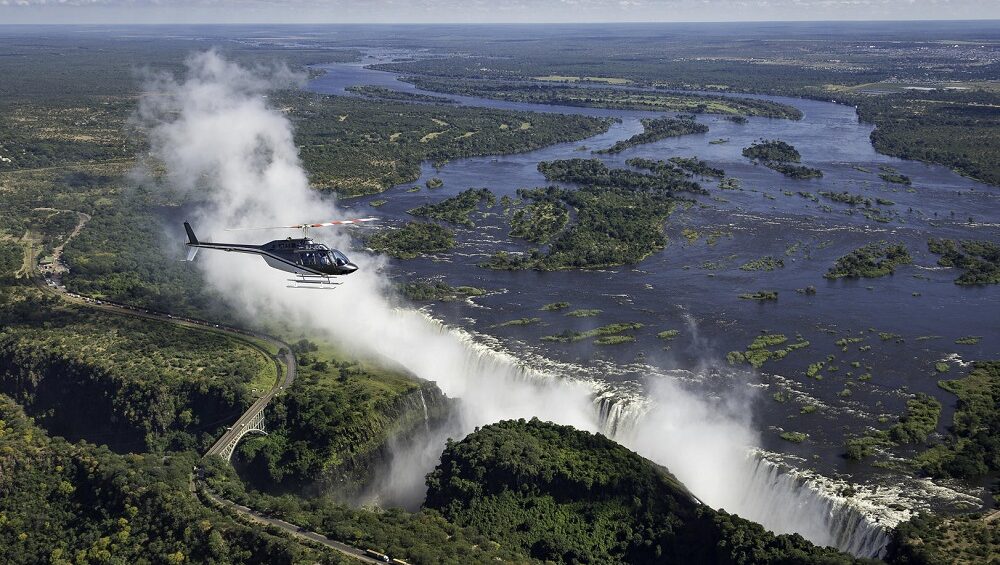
(423, 404)
(781, 498)
(704, 439)
(798, 503)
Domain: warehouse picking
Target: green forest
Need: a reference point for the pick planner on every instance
(621, 99)
(458, 208)
(978, 260)
(780, 156)
(568, 496)
(413, 240)
(78, 503)
(873, 260)
(129, 383)
(358, 146)
(328, 430)
(655, 129)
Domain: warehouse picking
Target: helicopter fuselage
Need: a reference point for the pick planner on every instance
(301, 256)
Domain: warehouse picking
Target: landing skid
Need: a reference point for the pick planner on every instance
(319, 283)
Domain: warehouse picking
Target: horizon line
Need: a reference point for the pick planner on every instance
(504, 23)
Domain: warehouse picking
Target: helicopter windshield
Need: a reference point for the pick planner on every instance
(339, 258)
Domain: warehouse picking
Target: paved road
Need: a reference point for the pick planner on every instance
(291, 529)
(285, 357)
(53, 284)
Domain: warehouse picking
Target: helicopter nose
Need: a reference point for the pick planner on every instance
(349, 268)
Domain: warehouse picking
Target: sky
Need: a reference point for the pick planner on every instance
(483, 11)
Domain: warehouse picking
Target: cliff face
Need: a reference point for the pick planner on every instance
(329, 441)
(407, 417)
(75, 399)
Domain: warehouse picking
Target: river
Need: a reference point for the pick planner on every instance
(694, 286)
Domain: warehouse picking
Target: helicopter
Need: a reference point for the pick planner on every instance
(313, 263)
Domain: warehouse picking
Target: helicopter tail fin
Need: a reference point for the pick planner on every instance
(192, 239)
(192, 242)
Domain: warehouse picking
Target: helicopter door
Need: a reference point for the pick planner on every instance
(283, 266)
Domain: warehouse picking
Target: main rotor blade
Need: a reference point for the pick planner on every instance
(300, 226)
(338, 223)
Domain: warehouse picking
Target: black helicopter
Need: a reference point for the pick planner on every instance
(312, 262)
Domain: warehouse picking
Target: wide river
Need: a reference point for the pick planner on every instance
(693, 286)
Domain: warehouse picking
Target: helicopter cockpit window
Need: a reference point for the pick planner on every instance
(339, 257)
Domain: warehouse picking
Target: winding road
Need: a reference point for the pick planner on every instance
(50, 281)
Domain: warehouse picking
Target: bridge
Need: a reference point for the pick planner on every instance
(252, 421)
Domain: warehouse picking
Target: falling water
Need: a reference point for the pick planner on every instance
(783, 499)
(779, 497)
(423, 404)
(798, 503)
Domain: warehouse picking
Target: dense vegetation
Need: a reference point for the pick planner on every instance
(327, 430)
(765, 263)
(619, 215)
(541, 219)
(77, 503)
(979, 259)
(618, 98)
(383, 93)
(594, 173)
(132, 384)
(124, 252)
(655, 129)
(780, 156)
(945, 540)
(795, 171)
(359, 146)
(458, 208)
(436, 290)
(870, 261)
(973, 450)
(920, 420)
(412, 240)
(420, 538)
(946, 127)
(697, 167)
(772, 150)
(764, 348)
(612, 227)
(567, 496)
(608, 331)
